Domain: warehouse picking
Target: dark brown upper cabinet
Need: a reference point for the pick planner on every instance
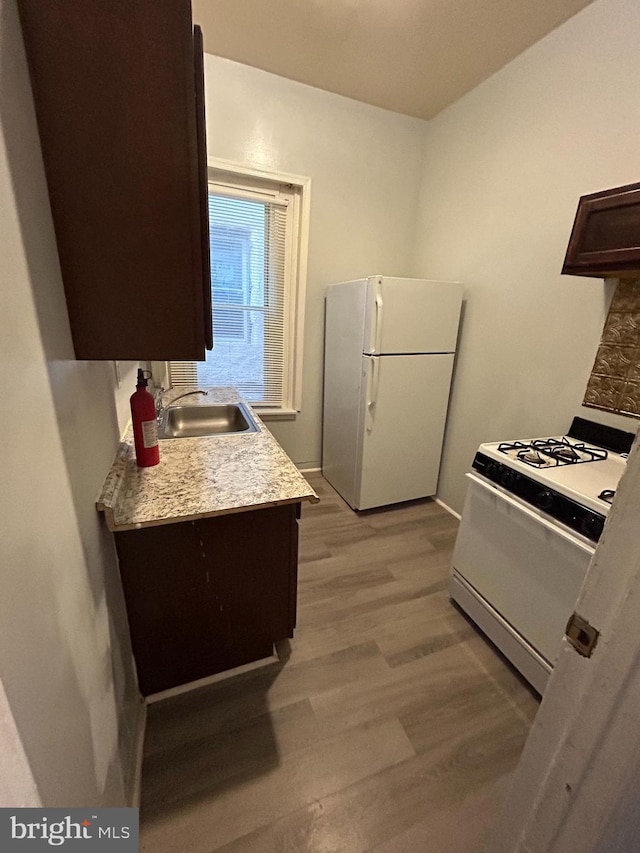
(118, 87)
(605, 240)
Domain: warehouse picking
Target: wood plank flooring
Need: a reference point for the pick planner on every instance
(389, 724)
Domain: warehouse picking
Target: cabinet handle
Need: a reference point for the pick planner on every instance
(378, 333)
(373, 388)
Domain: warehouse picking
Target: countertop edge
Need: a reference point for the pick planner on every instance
(114, 527)
(111, 488)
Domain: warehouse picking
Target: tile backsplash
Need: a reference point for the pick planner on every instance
(614, 384)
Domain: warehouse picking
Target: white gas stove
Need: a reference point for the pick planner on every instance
(543, 471)
(534, 510)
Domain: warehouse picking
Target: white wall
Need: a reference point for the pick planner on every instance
(499, 175)
(503, 172)
(65, 660)
(17, 785)
(363, 163)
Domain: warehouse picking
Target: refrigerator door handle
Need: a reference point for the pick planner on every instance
(373, 393)
(378, 331)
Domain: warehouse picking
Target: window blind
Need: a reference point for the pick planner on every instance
(249, 244)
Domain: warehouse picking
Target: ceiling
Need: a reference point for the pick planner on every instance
(410, 56)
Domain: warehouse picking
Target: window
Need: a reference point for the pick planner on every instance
(258, 227)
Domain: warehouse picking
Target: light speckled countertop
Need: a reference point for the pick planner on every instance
(200, 477)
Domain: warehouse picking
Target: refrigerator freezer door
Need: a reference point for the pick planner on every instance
(344, 327)
(407, 315)
(404, 409)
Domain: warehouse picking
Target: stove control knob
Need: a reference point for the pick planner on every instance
(591, 526)
(493, 470)
(544, 500)
(508, 478)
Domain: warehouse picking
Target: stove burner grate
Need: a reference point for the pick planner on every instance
(567, 453)
(532, 457)
(551, 452)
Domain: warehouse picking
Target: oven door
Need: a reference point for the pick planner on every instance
(526, 567)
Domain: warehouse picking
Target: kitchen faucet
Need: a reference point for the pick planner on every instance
(160, 409)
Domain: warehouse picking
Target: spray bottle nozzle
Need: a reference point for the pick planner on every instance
(143, 377)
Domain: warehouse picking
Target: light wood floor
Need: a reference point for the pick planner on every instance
(391, 727)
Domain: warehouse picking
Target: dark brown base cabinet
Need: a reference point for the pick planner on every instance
(209, 595)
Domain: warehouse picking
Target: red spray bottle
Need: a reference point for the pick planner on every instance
(145, 427)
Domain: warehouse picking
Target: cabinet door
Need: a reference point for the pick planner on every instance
(169, 588)
(605, 240)
(254, 575)
(115, 97)
(209, 595)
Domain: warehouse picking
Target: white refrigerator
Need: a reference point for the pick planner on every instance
(389, 350)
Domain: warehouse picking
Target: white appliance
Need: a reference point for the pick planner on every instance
(533, 513)
(389, 350)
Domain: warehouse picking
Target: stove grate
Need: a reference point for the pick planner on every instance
(552, 452)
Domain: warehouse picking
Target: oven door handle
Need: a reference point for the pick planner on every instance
(556, 530)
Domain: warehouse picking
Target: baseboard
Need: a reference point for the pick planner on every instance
(141, 728)
(448, 509)
(211, 679)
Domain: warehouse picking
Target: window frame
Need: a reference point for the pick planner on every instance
(239, 178)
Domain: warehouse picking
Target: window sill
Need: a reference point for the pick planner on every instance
(275, 414)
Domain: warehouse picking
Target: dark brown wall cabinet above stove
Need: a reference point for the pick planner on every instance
(605, 240)
(119, 95)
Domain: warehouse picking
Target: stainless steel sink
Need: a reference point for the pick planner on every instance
(192, 421)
